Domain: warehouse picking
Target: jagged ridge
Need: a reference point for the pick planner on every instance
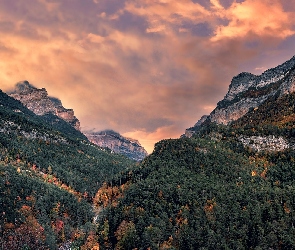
(248, 91)
(38, 101)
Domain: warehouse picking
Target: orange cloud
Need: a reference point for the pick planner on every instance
(144, 69)
(161, 13)
(263, 18)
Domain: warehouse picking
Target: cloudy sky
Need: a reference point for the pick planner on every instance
(148, 69)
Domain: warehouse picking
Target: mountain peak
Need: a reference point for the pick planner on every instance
(23, 86)
(38, 101)
(240, 83)
(247, 91)
(118, 143)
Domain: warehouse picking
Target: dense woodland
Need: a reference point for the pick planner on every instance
(209, 191)
(48, 180)
(199, 194)
(205, 192)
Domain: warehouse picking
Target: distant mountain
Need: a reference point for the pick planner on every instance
(248, 91)
(38, 101)
(53, 112)
(119, 144)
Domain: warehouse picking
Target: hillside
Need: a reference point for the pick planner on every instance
(205, 193)
(230, 185)
(48, 180)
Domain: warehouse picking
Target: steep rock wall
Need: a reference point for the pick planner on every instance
(38, 101)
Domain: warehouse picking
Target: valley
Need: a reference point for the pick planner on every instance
(227, 183)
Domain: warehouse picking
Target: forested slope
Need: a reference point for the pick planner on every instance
(206, 192)
(223, 188)
(48, 179)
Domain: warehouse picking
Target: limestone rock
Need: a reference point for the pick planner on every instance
(38, 101)
(265, 143)
(119, 144)
(248, 91)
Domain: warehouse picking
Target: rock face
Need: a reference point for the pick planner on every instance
(248, 91)
(190, 131)
(117, 143)
(262, 143)
(38, 101)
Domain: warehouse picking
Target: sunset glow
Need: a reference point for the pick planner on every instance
(145, 68)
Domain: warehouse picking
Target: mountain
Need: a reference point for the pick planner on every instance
(48, 180)
(52, 111)
(117, 143)
(228, 185)
(248, 91)
(38, 101)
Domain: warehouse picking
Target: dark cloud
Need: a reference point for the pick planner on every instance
(288, 5)
(204, 3)
(7, 26)
(200, 29)
(28, 11)
(129, 22)
(111, 7)
(228, 3)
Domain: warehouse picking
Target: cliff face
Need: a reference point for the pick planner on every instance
(248, 91)
(118, 143)
(38, 101)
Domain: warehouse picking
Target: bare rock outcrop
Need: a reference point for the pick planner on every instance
(248, 91)
(38, 101)
(265, 143)
(119, 144)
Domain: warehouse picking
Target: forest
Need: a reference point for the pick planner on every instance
(209, 191)
(59, 191)
(48, 180)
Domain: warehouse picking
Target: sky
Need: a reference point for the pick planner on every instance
(147, 69)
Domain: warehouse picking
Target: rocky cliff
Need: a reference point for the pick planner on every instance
(248, 91)
(117, 143)
(38, 101)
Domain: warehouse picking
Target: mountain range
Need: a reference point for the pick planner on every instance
(248, 91)
(38, 101)
(228, 183)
